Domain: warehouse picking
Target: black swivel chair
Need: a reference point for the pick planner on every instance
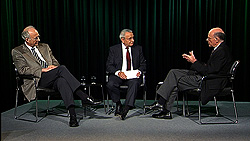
(226, 91)
(143, 86)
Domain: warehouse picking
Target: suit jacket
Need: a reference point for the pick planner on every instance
(114, 61)
(219, 63)
(26, 63)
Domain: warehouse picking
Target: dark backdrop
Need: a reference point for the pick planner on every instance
(80, 32)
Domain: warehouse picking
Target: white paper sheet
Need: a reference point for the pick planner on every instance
(131, 74)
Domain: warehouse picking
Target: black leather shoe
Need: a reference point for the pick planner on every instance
(154, 106)
(118, 110)
(123, 115)
(163, 115)
(73, 121)
(91, 101)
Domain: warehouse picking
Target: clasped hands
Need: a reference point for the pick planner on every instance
(122, 75)
(190, 58)
(51, 67)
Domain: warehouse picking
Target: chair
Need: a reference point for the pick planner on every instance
(39, 90)
(226, 91)
(143, 85)
(19, 79)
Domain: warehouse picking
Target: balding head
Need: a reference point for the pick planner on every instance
(25, 34)
(31, 36)
(217, 29)
(215, 37)
(218, 33)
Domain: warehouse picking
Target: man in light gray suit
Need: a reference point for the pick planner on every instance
(37, 59)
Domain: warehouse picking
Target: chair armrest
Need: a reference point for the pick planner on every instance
(214, 76)
(27, 76)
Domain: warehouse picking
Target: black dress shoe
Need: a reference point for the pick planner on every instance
(91, 101)
(73, 121)
(163, 115)
(123, 115)
(118, 110)
(154, 106)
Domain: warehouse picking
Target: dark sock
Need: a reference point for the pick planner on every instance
(118, 103)
(165, 110)
(83, 96)
(72, 111)
(161, 101)
(126, 109)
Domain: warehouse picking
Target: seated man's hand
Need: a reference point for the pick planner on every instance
(190, 58)
(122, 75)
(138, 74)
(51, 67)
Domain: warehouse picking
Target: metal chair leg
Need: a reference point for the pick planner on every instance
(200, 111)
(36, 110)
(110, 110)
(48, 103)
(183, 106)
(104, 103)
(107, 103)
(216, 106)
(235, 109)
(144, 104)
(15, 116)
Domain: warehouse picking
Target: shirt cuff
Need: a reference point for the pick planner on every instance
(116, 73)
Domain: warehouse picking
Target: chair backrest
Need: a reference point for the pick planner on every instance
(234, 68)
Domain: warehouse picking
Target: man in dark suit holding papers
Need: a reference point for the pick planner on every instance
(125, 61)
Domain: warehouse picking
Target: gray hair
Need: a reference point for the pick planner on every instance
(220, 35)
(122, 34)
(25, 34)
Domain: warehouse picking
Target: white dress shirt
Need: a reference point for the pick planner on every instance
(124, 59)
(36, 50)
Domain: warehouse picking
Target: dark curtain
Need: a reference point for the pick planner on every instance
(80, 32)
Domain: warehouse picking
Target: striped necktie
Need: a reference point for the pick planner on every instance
(43, 63)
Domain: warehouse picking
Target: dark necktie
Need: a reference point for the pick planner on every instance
(43, 63)
(128, 59)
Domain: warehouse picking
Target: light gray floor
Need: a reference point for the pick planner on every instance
(99, 126)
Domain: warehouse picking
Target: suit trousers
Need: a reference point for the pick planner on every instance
(177, 80)
(62, 80)
(113, 88)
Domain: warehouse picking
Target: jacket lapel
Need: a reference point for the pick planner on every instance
(28, 52)
(119, 51)
(133, 54)
(42, 52)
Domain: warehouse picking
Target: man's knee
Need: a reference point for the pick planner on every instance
(134, 83)
(173, 70)
(111, 84)
(62, 67)
(61, 80)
